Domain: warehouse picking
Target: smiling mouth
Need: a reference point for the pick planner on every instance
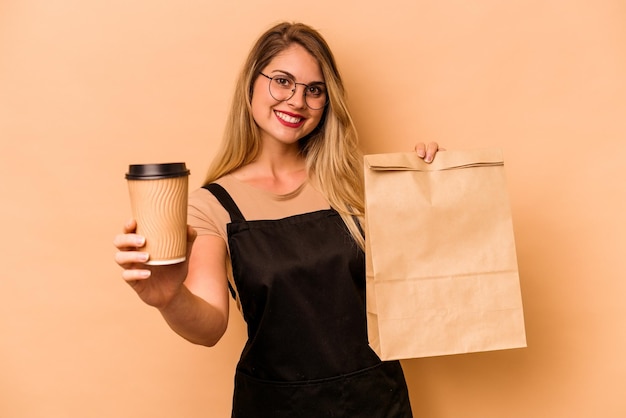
(288, 118)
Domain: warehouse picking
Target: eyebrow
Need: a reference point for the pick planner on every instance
(288, 74)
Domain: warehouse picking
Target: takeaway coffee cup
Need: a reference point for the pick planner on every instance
(158, 199)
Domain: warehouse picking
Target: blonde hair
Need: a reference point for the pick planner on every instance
(333, 160)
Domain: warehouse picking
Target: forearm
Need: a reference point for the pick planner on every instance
(194, 319)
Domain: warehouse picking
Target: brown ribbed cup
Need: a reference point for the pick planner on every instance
(158, 198)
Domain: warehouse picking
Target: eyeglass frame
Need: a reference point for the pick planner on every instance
(293, 91)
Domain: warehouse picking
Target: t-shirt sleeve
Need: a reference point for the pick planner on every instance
(206, 215)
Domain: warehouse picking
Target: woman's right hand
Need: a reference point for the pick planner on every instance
(155, 285)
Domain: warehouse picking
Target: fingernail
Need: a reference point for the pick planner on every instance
(143, 257)
(428, 158)
(140, 241)
(144, 273)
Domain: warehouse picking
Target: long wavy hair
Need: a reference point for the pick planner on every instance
(333, 160)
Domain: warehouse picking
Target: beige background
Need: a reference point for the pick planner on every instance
(88, 87)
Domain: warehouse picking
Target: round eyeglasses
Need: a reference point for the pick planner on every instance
(282, 88)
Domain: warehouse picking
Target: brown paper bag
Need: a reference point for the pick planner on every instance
(442, 274)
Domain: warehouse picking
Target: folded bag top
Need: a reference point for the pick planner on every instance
(445, 160)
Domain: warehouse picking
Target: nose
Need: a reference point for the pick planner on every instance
(298, 100)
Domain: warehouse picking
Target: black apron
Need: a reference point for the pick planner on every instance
(301, 284)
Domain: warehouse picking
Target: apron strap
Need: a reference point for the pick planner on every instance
(226, 200)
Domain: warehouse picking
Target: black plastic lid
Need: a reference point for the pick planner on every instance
(156, 171)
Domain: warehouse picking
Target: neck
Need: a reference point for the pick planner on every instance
(279, 158)
(280, 170)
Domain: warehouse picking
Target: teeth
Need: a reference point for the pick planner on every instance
(287, 118)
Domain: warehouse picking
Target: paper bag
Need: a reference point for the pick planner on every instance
(442, 275)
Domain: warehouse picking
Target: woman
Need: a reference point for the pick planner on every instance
(278, 224)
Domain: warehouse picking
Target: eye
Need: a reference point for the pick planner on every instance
(315, 91)
(284, 82)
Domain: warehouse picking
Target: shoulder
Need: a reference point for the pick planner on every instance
(201, 198)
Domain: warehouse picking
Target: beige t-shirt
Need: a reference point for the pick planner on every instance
(209, 217)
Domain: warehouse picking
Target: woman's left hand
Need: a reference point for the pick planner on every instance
(427, 151)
